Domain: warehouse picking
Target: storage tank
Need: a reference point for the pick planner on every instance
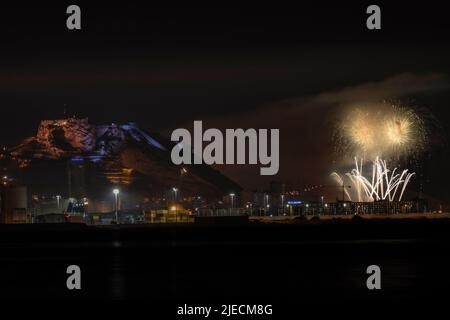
(13, 204)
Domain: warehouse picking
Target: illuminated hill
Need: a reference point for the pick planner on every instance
(74, 157)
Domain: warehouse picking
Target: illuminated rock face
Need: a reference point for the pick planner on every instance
(72, 137)
(67, 135)
(122, 155)
(58, 138)
(110, 139)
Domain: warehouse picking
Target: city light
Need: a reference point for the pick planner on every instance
(58, 199)
(116, 194)
(232, 200)
(175, 192)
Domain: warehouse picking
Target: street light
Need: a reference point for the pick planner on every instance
(175, 191)
(266, 203)
(321, 199)
(116, 195)
(232, 200)
(58, 198)
(249, 208)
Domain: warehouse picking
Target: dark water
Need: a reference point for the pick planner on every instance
(259, 263)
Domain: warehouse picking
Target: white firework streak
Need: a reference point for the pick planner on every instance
(340, 181)
(384, 184)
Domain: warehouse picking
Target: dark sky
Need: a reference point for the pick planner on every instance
(276, 67)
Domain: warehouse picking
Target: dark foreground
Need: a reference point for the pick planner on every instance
(249, 263)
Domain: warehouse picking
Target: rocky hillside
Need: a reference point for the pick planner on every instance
(121, 154)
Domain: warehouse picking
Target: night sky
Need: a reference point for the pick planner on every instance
(291, 68)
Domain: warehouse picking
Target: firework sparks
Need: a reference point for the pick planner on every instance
(361, 130)
(384, 184)
(398, 131)
(386, 130)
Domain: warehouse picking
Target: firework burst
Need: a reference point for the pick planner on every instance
(388, 130)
